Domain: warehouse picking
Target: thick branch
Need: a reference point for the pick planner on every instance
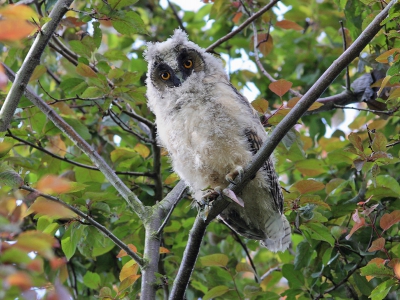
(126, 193)
(242, 26)
(32, 59)
(272, 141)
(153, 240)
(93, 222)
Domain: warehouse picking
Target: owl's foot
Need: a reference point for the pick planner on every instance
(235, 176)
(206, 201)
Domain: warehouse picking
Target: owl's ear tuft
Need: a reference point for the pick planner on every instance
(179, 36)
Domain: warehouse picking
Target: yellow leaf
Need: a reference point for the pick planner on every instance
(260, 105)
(164, 250)
(56, 145)
(383, 58)
(18, 12)
(171, 178)
(219, 260)
(143, 150)
(39, 71)
(128, 269)
(123, 253)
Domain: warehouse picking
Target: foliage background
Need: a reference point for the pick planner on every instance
(342, 188)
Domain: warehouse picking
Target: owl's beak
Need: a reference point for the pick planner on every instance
(177, 79)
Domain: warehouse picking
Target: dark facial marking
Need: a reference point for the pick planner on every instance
(189, 60)
(164, 74)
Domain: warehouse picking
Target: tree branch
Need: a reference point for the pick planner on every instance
(242, 26)
(152, 225)
(93, 222)
(126, 193)
(31, 60)
(272, 141)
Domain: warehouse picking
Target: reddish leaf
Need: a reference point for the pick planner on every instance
(237, 17)
(286, 24)
(396, 270)
(50, 208)
(72, 22)
(383, 58)
(85, 70)
(123, 253)
(377, 245)
(57, 262)
(14, 30)
(265, 43)
(307, 186)
(53, 184)
(20, 279)
(3, 84)
(360, 222)
(356, 141)
(280, 87)
(388, 220)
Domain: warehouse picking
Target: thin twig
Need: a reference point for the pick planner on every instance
(393, 144)
(126, 128)
(242, 26)
(244, 247)
(78, 164)
(177, 16)
(89, 219)
(385, 112)
(177, 199)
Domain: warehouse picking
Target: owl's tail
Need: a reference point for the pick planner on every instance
(279, 232)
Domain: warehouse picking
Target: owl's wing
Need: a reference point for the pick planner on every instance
(255, 143)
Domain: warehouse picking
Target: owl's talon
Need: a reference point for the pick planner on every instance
(235, 176)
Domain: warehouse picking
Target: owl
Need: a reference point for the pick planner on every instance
(211, 132)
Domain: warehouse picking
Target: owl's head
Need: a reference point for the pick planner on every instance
(178, 63)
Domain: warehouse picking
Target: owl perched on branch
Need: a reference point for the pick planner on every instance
(211, 132)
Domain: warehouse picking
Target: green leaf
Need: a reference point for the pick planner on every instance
(129, 23)
(218, 260)
(376, 270)
(118, 4)
(79, 48)
(97, 34)
(295, 278)
(10, 178)
(92, 92)
(215, 292)
(92, 280)
(319, 232)
(303, 255)
(80, 128)
(382, 289)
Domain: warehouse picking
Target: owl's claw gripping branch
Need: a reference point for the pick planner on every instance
(235, 176)
(207, 199)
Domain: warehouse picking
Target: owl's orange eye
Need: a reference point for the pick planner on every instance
(165, 75)
(188, 64)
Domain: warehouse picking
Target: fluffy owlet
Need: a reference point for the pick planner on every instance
(211, 132)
